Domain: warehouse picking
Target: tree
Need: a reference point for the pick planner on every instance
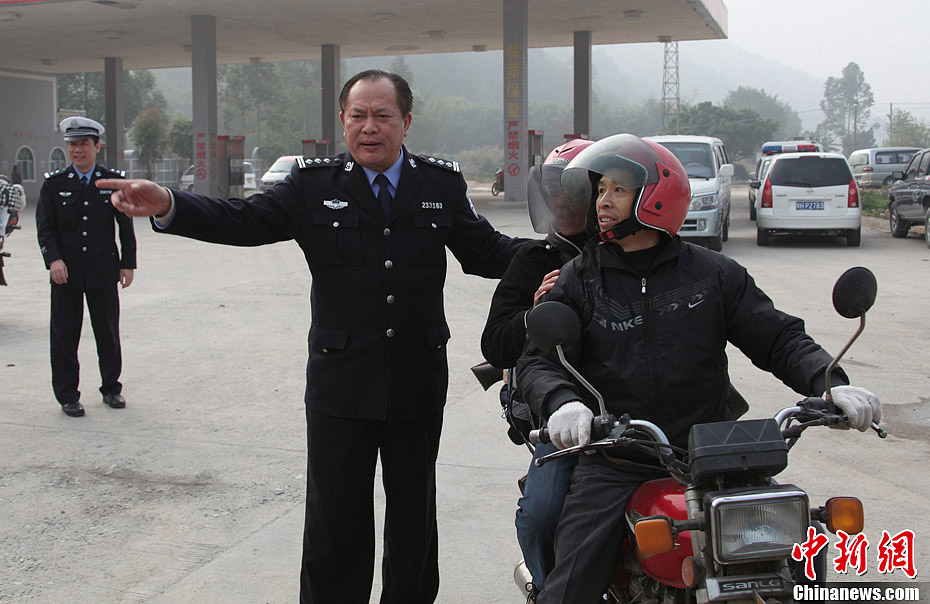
(181, 137)
(86, 92)
(847, 104)
(742, 130)
(767, 106)
(150, 134)
(400, 67)
(907, 131)
(140, 91)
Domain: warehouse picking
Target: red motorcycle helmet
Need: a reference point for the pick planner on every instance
(551, 211)
(664, 191)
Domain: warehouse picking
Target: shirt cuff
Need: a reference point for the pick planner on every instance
(163, 222)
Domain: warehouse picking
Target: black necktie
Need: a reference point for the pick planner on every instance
(84, 180)
(384, 196)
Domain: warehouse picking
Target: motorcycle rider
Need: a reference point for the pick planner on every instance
(531, 273)
(656, 315)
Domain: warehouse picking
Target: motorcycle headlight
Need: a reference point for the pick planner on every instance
(703, 202)
(757, 524)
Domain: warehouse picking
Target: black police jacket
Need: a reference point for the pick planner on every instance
(655, 346)
(378, 333)
(77, 224)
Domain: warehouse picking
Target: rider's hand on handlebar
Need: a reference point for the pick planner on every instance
(860, 406)
(570, 425)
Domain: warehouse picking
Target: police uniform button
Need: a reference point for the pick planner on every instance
(84, 218)
(387, 232)
(336, 224)
(433, 225)
(326, 351)
(389, 333)
(84, 233)
(388, 264)
(86, 203)
(83, 249)
(390, 299)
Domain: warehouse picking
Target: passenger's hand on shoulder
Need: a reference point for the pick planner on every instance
(547, 283)
(137, 197)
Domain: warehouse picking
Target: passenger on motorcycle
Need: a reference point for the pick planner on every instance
(532, 272)
(656, 314)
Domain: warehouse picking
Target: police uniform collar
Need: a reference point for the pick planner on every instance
(392, 173)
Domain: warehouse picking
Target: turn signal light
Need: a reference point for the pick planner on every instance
(844, 514)
(654, 536)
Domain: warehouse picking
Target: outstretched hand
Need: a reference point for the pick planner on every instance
(137, 197)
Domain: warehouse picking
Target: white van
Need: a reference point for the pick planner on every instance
(278, 171)
(709, 172)
(874, 167)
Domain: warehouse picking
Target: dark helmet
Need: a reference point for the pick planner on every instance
(634, 163)
(550, 210)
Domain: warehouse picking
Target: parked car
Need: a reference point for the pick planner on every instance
(909, 197)
(874, 167)
(709, 172)
(278, 170)
(770, 149)
(761, 168)
(186, 182)
(809, 193)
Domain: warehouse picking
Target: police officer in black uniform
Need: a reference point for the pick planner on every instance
(374, 225)
(76, 226)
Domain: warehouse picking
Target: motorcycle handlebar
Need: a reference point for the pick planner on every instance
(600, 428)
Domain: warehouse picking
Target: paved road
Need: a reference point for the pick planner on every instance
(194, 493)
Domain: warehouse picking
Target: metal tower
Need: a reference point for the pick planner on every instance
(671, 103)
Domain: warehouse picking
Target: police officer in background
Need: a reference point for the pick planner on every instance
(77, 233)
(374, 224)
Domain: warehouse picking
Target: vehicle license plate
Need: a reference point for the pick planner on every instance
(809, 205)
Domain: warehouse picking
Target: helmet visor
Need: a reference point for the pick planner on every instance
(551, 210)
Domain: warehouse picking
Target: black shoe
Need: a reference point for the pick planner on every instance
(74, 409)
(115, 401)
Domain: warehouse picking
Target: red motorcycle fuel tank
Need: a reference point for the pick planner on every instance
(665, 497)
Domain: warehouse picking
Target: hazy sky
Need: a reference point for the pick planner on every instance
(887, 39)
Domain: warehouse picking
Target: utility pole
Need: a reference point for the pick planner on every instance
(890, 120)
(671, 102)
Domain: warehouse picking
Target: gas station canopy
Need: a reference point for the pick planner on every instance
(66, 36)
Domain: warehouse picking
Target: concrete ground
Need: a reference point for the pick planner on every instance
(194, 493)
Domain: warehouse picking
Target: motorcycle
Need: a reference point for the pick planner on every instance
(719, 528)
(498, 186)
(12, 202)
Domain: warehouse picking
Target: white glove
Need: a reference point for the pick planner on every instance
(570, 425)
(860, 406)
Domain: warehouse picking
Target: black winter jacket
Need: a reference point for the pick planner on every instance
(505, 331)
(655, 346)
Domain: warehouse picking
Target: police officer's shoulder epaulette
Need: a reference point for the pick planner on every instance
(318, 162)
(442, 163)
(56, 173)
(112, 172)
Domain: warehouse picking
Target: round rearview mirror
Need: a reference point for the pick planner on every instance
(552, 323)
(854, 292)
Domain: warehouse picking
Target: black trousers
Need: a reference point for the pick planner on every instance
(339, 529)
(66, 318)
(591, 528)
